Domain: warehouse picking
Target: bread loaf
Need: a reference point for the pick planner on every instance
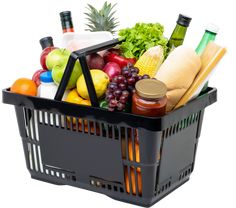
(210, 57)
(178, 72)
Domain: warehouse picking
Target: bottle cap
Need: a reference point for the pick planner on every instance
(66, 20)
(184, 20)
(46, 42)
(151, 88)
(46, 77)
(212, 28)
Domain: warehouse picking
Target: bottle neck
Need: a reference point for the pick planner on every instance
(46, 42)
(67, 26)
(179, 32)
(206, 38)
(208, 35)
(177, 36)
(66, 30)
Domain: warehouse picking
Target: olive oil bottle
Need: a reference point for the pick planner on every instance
(178, 35)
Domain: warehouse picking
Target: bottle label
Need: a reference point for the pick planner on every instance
(68, 30)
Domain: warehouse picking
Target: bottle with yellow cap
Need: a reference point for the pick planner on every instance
(150, 98)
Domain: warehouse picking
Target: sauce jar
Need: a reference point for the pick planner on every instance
(150, 98)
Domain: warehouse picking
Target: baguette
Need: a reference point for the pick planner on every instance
(178, 72)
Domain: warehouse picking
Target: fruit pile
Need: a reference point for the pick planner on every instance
(113, 75)
(113, 72)
(144, 53)
(119, 91)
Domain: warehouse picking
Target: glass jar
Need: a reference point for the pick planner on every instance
(150, 98)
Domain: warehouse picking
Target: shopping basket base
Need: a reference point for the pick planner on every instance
(150, 201)
(127, 157)
(140, 201)
(54, 182)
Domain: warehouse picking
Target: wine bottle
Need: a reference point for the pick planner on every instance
(66, 22)
(178, 35)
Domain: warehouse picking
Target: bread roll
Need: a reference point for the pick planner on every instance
(178, 72)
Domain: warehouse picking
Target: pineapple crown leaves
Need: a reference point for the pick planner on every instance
(102, 20)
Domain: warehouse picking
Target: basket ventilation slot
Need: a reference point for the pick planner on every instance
(181, 125)
(81, 125)
(163, 187)
(100, 183)
(35, 162)
(131, 158)
(186, 172)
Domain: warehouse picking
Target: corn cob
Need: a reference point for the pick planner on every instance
(150, 61)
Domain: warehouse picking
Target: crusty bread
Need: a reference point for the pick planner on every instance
(178, 72)
(210, 57)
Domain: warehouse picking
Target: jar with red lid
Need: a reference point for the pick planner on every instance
(150, 98)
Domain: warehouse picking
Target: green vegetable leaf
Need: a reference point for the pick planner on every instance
(142, 37)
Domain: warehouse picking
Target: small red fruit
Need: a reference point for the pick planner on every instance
(44, 55)
(36, 76)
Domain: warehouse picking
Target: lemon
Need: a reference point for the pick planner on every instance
(73, 97)
(100, 81)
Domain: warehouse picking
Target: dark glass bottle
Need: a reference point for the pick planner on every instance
(66, 22)
(178, 35)
(47, 46)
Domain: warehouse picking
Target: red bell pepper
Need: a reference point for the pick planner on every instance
(120, 60)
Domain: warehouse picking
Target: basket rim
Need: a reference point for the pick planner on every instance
(97, 113)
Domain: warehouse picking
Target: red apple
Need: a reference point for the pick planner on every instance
(44, 55)
(36, 76)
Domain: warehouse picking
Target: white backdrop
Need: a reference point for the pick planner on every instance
(24, 22)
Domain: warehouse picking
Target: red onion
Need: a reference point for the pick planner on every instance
(112, 69)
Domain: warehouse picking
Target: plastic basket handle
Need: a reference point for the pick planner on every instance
(81, 55)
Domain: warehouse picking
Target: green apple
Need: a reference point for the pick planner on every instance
(58, 71)
(57, 57)
(57, 61)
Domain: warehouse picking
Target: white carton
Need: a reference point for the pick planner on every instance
(77, 41)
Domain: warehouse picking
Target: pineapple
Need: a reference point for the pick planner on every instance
(102, 20)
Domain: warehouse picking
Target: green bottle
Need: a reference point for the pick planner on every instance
(178, 35)
(209, 35)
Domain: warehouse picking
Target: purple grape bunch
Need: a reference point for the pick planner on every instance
(121, 88)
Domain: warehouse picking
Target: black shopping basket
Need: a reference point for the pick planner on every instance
(130, 158)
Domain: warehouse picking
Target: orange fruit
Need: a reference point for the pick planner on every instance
(24, 86)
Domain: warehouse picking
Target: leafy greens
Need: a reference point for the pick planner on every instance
(142, 37)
